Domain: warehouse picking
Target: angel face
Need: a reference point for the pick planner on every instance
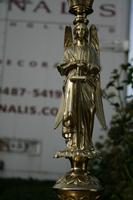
(80, 31)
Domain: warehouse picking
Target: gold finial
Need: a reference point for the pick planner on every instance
(80, 6)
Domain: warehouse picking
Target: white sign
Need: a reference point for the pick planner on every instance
(31, 44)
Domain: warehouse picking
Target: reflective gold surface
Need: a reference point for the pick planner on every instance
(80, 6)
(81, 98)
(79, 178)
(81, 101)
(78, 195)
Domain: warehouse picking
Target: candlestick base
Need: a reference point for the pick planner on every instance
(77, 195)
(78, 184)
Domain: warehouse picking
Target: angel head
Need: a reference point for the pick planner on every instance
(81, 32)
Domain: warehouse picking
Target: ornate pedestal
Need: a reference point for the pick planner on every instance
(78, 184)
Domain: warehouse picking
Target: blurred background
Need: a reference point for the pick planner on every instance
(31, 45)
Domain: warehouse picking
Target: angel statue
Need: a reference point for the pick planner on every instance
(81, 98)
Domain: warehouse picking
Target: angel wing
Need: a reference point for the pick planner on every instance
(68, 42)
(68, 38)
(99, 106)
(93, 38)
(59, 116)
(94, 42)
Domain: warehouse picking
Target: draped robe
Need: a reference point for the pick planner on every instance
(84, 95)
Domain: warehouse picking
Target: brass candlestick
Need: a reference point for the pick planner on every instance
(81, 100)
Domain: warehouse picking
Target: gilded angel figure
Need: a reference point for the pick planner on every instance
(81, 98)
